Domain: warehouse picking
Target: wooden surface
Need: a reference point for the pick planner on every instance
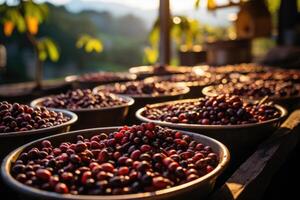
(251, 179)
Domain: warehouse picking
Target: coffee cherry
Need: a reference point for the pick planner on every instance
(61, 188)
(43, 174)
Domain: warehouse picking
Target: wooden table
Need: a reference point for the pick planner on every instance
(252, 177)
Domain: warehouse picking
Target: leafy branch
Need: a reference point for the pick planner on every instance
(89, 44)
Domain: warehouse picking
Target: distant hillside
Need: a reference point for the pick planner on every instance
(124, 39)
(148, 16)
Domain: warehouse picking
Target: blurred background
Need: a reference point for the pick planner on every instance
(78, 36)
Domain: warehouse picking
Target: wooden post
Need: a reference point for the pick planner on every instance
(164, 24)
(287, 22)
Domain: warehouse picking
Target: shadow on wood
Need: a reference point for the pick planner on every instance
(251, 179)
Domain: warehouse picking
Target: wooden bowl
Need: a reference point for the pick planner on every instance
(238, 138)
(142, 100)
(98, 117)
(290, 103)
(199, 188)
(12, 140)
(77, 83)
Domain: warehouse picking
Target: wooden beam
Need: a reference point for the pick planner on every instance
(164, 27)
(251, 179)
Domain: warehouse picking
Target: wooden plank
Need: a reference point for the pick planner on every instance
(251, 179)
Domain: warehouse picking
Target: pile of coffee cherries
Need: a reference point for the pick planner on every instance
(146, 71)
(16, 117)
(105, 77)
(80, 99)
(140, 88)
(278, 74)
(260, 88)
(219, 110)
(140, 158)
(192, 78)
(243, 68)
(169, 70)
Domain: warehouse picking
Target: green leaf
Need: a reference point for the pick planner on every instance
(42, 53)
(154, 34)
(52, 50)
(89, 44)
(40, 11)
(273, 5)
(150, 55)
(48, 49)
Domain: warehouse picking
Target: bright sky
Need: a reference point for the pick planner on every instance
(143, 4)
(140, 4)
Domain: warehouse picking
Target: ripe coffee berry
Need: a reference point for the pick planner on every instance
(147, 168)
(220, 110)
(17, 117)
(140, 88)
(80, 99)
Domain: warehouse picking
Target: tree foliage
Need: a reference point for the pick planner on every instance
(89, 44)
(48, 49)
(26, 17)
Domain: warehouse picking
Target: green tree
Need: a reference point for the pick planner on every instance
(26, 17)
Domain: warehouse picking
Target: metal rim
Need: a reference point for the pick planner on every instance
(184, 90)
(139, 115)
(129, 102)
(6, 176)
(127, 76)
(186, 83)
(73, 119)
(148, 69)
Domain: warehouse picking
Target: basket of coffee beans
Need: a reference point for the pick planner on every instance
(277, 74)
(131, 162)
(195, 81)
(227, 118)
(93, 109)
(157, 70)
(243, 68)
(21, 123)
(91, 80)
(144, 92)
(281, 92)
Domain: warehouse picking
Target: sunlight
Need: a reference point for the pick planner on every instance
(176, 5)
